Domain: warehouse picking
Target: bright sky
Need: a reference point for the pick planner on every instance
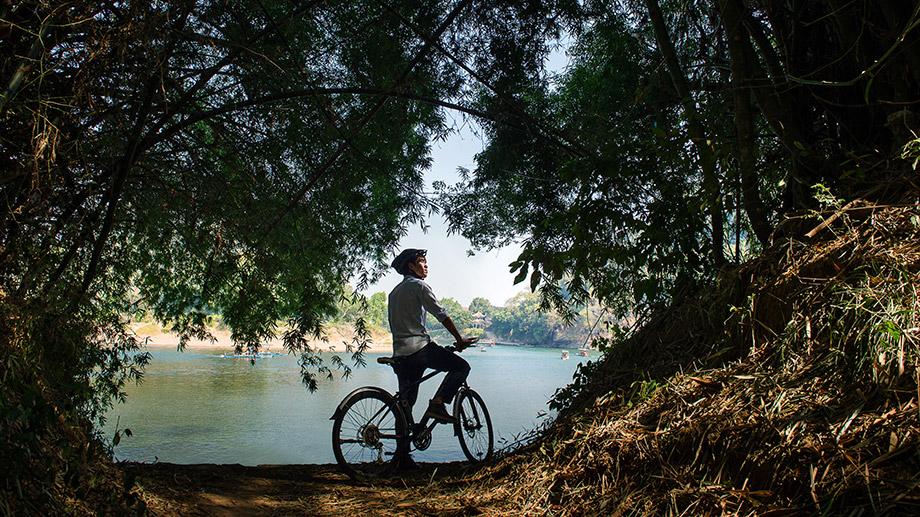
(451, 273)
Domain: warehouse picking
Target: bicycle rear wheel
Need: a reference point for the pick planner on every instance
(366, 432)
(473, 426)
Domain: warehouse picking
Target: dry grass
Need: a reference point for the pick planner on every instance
(793, 388)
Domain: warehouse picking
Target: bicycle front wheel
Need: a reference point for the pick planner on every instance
(473, 426)
(366, 432)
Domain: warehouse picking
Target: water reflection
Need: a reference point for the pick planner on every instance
(196, 407)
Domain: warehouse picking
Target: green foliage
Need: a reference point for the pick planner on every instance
(599, 170)
(350, 306)
(377, 310)
(481, 305)
(461, 317)
(868, 322)
(825, 198)
(911, 151)
(249, 158)
(473, 332)
(522, 321)
(641, 391)
(623, 227)
(51, 457)
(244, 159)
(353, 306)
(206, 159)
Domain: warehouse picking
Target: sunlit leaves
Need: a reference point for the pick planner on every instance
(612, 222)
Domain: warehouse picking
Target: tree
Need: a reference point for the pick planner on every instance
(176, 171)
(695, 131)
(377, 310)
(481, 305)
(615, 217)
(521, 321)
(461, 317)
(618, 205)
(250, 157)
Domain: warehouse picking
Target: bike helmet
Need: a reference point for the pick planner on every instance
(406, 257)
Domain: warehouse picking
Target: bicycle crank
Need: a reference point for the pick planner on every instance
(422, 439)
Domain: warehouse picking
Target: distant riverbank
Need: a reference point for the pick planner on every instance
(338, 337)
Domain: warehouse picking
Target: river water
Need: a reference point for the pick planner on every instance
(196, 407)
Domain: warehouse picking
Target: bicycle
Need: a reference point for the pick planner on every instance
(369, 423)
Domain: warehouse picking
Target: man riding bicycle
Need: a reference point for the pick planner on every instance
(413, 347)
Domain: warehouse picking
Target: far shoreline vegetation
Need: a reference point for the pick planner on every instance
(519, 322)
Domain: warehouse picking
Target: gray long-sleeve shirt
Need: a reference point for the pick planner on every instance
(406, 308)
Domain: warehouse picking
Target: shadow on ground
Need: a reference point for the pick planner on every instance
(170, 489)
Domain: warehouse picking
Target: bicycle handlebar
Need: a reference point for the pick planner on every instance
(457, 347)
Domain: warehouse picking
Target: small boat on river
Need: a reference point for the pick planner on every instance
(250, 355)
(565, 355)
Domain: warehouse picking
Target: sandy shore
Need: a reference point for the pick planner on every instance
(338, 338)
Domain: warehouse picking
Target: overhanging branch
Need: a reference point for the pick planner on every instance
(317, 92)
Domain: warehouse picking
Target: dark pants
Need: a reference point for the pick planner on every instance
(412, 367)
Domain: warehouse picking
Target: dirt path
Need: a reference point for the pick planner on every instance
(221, 490)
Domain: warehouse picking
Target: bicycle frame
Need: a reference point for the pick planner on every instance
(472, 421)
(424, 427)
(406, 413)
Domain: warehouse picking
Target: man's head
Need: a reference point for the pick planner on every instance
(411, 262)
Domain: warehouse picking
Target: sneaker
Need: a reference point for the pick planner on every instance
(438, 413)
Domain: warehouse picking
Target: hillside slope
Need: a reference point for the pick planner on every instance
(792, 387)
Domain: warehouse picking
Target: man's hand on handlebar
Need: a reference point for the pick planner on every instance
(465, 343)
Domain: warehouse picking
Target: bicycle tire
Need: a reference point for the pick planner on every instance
(473, 426)
(366, 432)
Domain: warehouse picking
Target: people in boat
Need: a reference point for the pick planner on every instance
(413, 347)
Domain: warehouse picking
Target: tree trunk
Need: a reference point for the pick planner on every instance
(732, 19)
(695, 129)
(898, 13)
(775, 102)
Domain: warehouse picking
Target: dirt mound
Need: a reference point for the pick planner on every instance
(791, 387)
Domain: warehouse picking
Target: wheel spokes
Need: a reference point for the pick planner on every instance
(474, 428)
(370, 428)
